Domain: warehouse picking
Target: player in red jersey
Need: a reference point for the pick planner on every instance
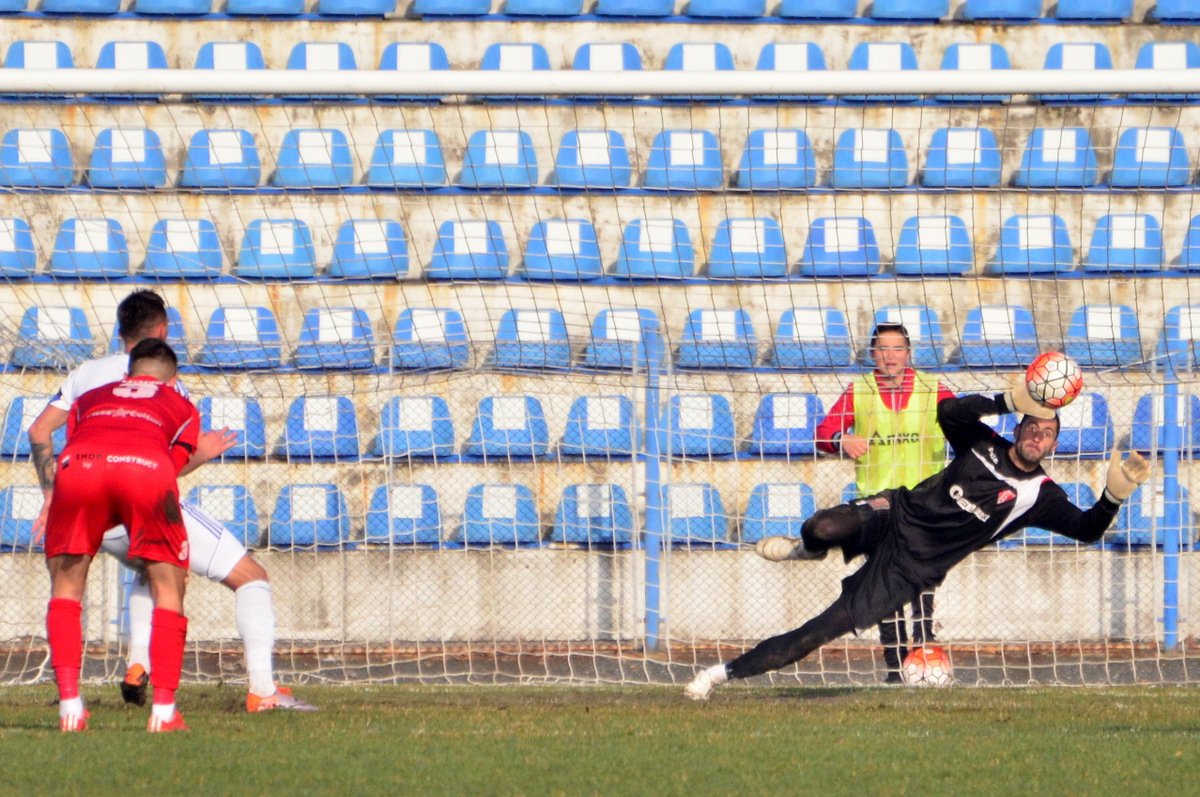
(126, 443)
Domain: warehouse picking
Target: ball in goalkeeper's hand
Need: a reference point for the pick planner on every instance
(1054, 379)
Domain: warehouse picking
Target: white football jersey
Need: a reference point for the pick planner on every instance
(96, 373)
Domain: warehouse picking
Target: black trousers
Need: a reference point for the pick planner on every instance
(894, 637)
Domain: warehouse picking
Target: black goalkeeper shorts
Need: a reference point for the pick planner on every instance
(878, 589)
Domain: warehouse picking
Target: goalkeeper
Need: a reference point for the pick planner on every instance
(912, 537)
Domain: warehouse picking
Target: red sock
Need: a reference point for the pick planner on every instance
(168, 632)
(65, 634)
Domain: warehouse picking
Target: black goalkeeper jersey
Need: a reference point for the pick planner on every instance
(980, 497)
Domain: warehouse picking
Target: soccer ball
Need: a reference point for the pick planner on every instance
(927, 666)
(1054, 379)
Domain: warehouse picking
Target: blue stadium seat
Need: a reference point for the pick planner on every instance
(697, 425)
(869, 159)
(1086, 427)
(314, 158)
(242, 415)
(407, 159)
(695, 515)
(1181, 335)
(241, 337)
(265, 8)
(468, 250)
(777, 509)
(813, 337)
(698, 57)
(1148, 433)
(620, 337)
(876, 56)
(38, 55)
(1176, 11)
(718, 339)
(1033, 245)
(1126, 242)
(404, 514)
(599, 426)
(593, 159)
(430, 338)
(415, 426)
(726, 8)
(529, 338)
(356, 8)
(320, 427)
(322, 57)
(277, 249)
(818, 9)
(1080, 494)
(607, 57)
(840, 246)
(934, 246)
(563, 249)
(221, 159)
(791, 57)
(786, 424)
(655, 249)
(509, 426)
(1144, 518)
(18, 258)
(499, 159)
(1057, 158)
(456, 8)
(544, 8)
(19, 508)
(80, 6)
(684, 160)
(1189, 257)
(748, 248)
(910, 10)
(634, 8)
(127, 158)
(232, 505)
(1095, 10)
(414, 57)
(1150, 157)
(52, 337)
(310, 516)
(777, 158)
(38, 158)
(335, 338)
(230, 56)
(974, 58)
(22, 411)
(1076, 56)
(924, 332)
(183, 249)
(500, 514)
(1104, 336)
(370, 249)
(90, 249)
(515, 57)
(962, 157)
(1168, 55)
(999, 336)
(131, 55)
(593, 514)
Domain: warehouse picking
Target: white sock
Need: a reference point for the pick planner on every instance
(164, 711)
(72, 707)
(718, 674)
(141, 610)
(256, 625)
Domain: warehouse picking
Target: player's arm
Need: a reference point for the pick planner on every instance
(960, 419)
(836, 422)
(1054, 511)
(41, 446)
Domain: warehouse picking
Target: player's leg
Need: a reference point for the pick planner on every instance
(893, 638)
(140, 608)
(167, 639)
(64, 632)
(923, 619)
(847, 526)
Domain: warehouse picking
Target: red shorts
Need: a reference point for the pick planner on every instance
(96, 490)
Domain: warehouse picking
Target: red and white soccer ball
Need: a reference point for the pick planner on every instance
(927, 666)
(1054, 379)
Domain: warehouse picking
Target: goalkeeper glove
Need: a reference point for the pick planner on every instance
(1018, 400)
(1124, 475)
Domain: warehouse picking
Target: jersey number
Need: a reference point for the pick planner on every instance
(136, 390)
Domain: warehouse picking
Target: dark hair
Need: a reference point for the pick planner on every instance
(888, 326)
(153, 349)
(1057, 422)
(138, 314)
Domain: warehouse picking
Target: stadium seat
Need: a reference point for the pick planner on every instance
(1104, 336)
(230, 56)
(962, 157)
(1176, 11)
(1168, 55)
(1095, 10)
(52, 337)
(500, 514)
(1033, 245)
(718, 339)
(697, 425)
(314, 158)
(320, 427)
(726, 9)
(38, 55)
(80, 6)
(370, 249)
(776, 159)
(594, 159)
(407, 159)
(874, 56)
(599, 426)
(749, 249)
(1150, 157)
(499, 159)
(655, 249)
(309, 516)
(684, 160)
(334, 338)
(20, 506)
(430, 338)
(790, 57)
(232, 505)
(1148, 433)
(515, 57)
(1144, 518)
(242, 415)
(265, 8)
(1076, 56)
(468, 250)
(786, 424)
(321, 57)
(607, 57)
(813, 337)
(1079, 494)
(182, 249)
(14, 435)
(563, 249)
(869, 159)
(593, 514)
(456, 8)
(999, 336)
(241, 337)
(404, 514)
(777, 509)
(924, 332)
(698, 57)
(221, 159)
(544, 8)
(974, 58)
(415, 427)
(414, 57)
(131, 55)
(90, 249)
(18, 258)
(277, 249)
(127, 158)
(620, 338)
(840, 246)
(634, 8)
(910, 10)
(1057, 158)
(695, 515)
(1126, 242)
(1181, 335)
(356, 8)
(510, 426)
(530, 338)
(934, 246)
(36, 159)
(1189, 257)
(1086, 428)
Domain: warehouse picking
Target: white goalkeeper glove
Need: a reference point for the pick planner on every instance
(1124, 475)
(1018, 400)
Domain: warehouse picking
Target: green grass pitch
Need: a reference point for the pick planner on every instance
(748, 740)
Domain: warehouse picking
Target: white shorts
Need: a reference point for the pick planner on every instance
(214, 551)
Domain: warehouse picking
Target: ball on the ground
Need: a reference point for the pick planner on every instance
(928, 665)
(1054, 379)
